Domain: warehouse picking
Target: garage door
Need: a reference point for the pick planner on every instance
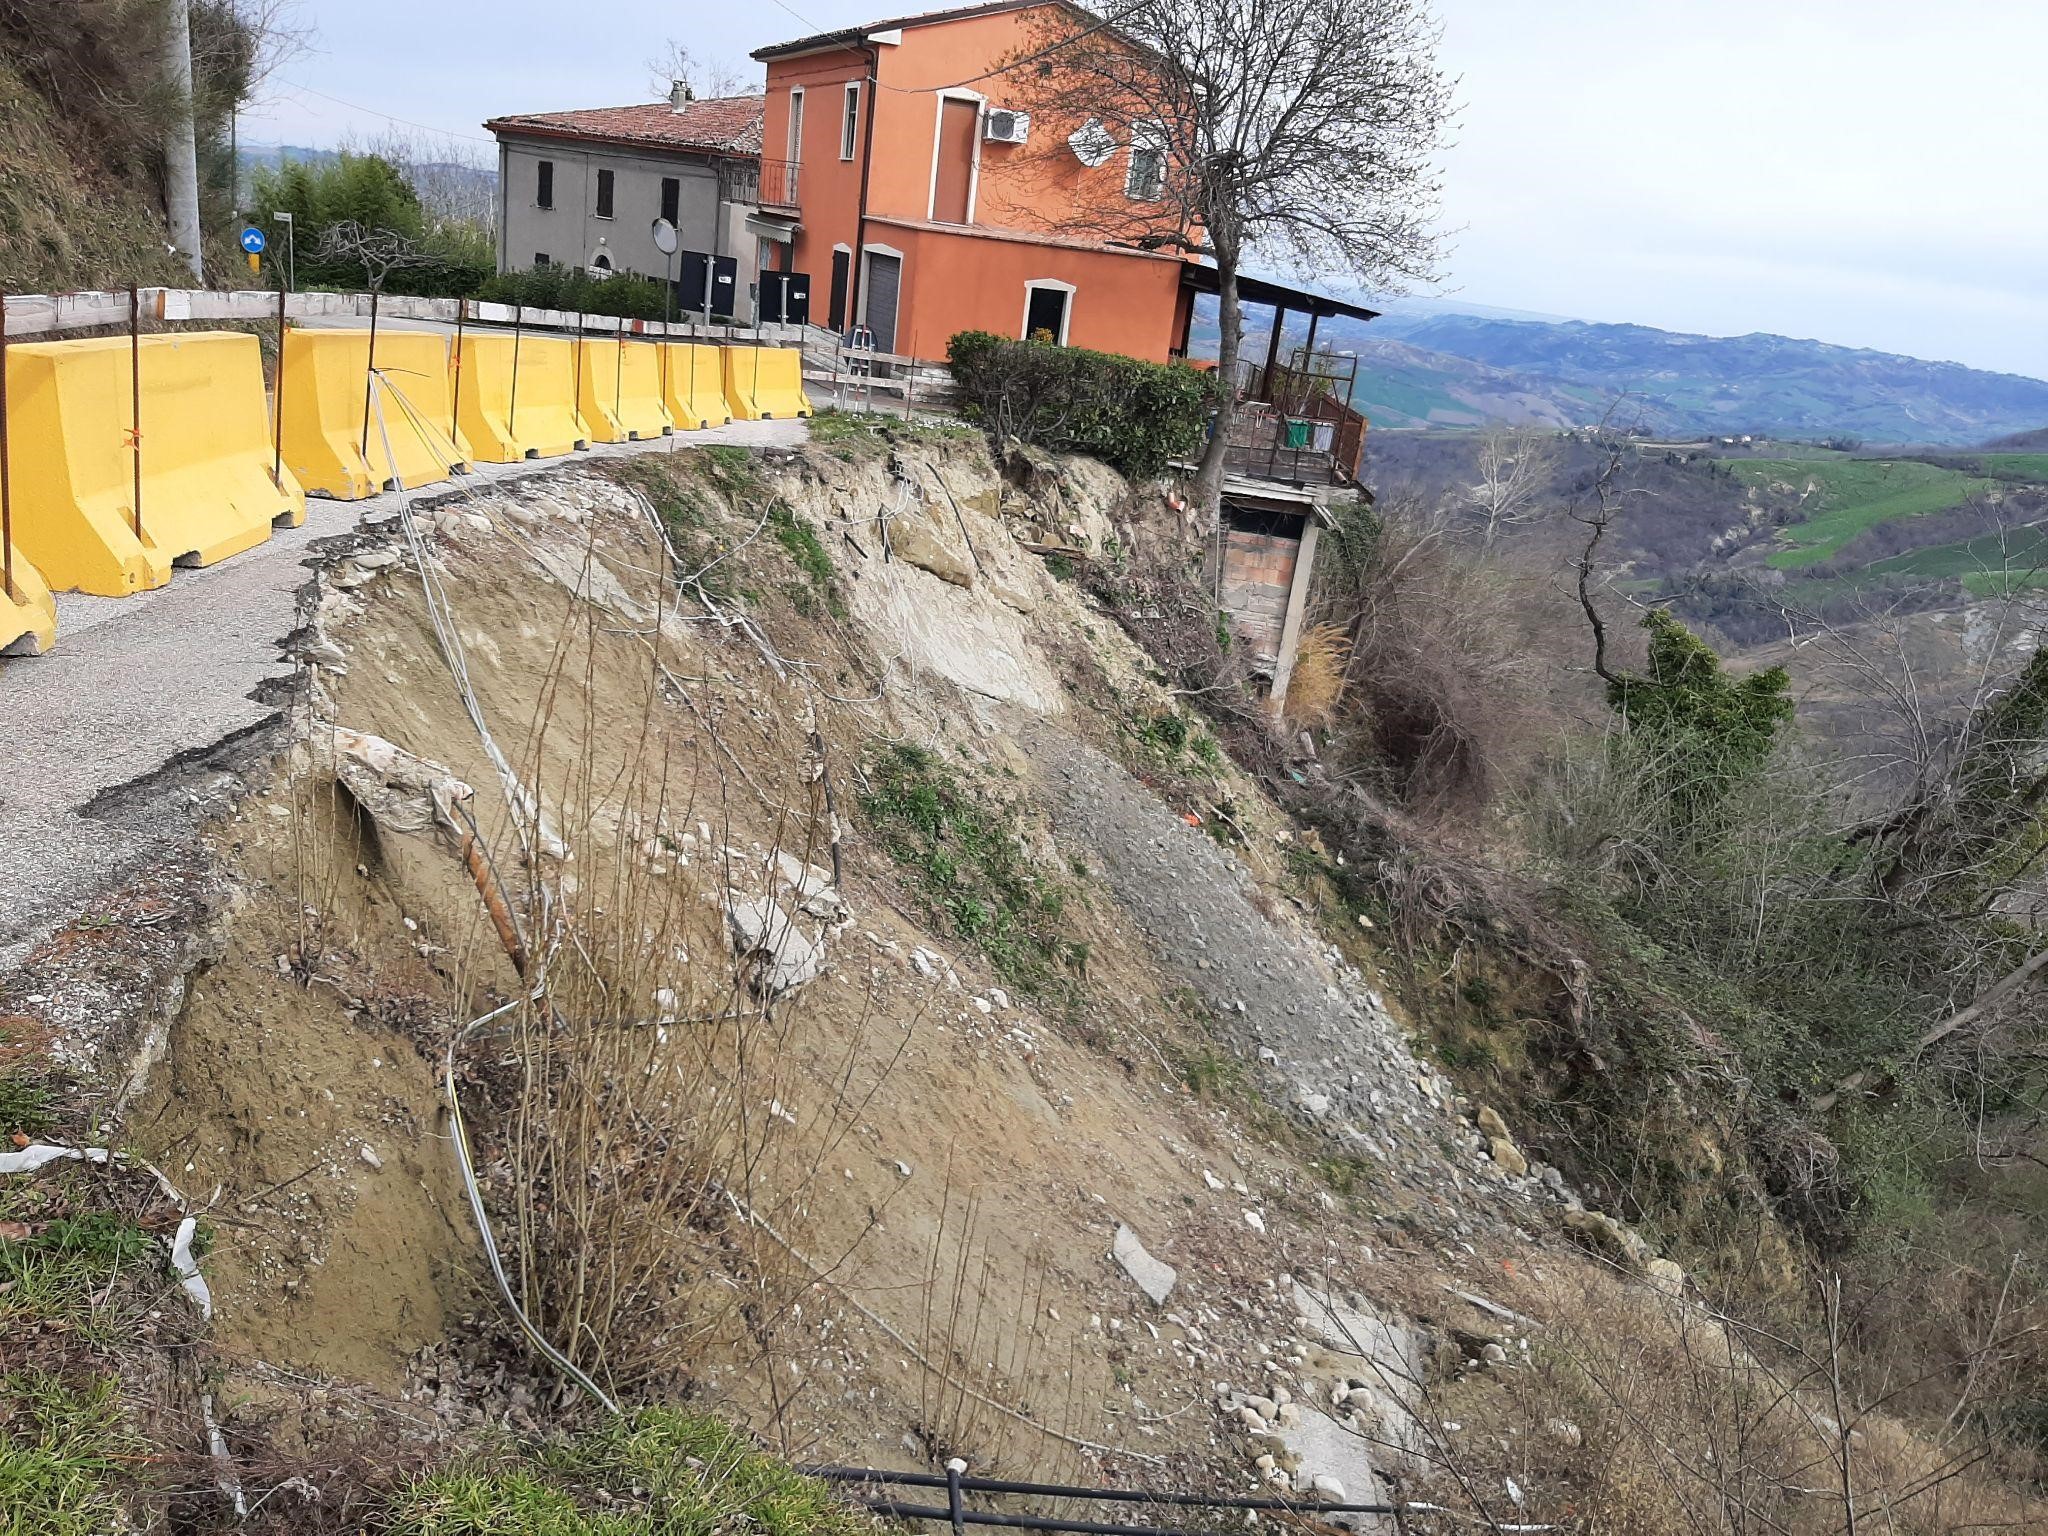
(885, 280)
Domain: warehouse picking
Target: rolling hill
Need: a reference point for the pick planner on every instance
(1462, 370)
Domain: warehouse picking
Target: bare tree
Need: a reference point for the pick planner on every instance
(379, 252)
(452, 178)
(1515, 464)
(702, 78)
(1297, 132)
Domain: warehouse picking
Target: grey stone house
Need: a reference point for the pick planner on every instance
(585, 188)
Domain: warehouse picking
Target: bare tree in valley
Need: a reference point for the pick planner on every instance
(1296, 132)
(1514, 465)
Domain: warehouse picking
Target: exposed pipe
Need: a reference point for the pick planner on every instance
(135, 396)
(836, 1474)
(6, 501)
(277, 396)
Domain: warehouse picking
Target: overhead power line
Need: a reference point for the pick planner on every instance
(356, 106)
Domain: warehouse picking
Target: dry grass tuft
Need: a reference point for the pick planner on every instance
(1316, 686)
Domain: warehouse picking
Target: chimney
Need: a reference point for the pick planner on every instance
(679, 94)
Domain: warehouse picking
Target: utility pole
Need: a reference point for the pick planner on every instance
(181, 152)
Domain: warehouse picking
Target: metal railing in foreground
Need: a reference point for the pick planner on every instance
(958, 1485)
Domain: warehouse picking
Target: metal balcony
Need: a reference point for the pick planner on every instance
(766, 183)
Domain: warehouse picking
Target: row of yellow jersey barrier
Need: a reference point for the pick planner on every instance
(129, 457)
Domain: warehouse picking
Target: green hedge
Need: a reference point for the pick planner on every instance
(574, 289)
(1135, 416)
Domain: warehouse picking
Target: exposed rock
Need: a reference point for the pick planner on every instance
(1491, 1125)
(1508, 1157)
(911, 539)
(1154, 1277)
(1603, 1234)
(400, 792)
(1666, 1276)
(1355, 1326)
(784, 958)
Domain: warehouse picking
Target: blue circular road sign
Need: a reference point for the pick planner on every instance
(253, 241)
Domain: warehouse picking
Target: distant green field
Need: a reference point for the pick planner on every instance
(1855, 495)
(1385, 394)
(2017, 466)
(1979, 557)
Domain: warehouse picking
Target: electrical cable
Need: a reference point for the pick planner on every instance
(474, 1191)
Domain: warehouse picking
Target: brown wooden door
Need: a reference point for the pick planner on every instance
(957, 123)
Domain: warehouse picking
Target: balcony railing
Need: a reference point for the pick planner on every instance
(1321, 442)
(1294, 424)
(770, 183)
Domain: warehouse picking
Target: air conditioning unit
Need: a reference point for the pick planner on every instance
(1001, 126)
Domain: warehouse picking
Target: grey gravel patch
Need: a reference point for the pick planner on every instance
(1279, 997)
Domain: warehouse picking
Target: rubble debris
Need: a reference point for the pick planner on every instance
(1154, 1277)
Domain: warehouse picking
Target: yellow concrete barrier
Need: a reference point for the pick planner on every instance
(28, 614)
(207, 486)
(693, 386)
(765, 383)
(504, 418)
(618, 390)
(325, 443)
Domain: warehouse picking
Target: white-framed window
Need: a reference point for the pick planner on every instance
(1048, 310)
(1146, 178)
(849, 121)
(796, 125)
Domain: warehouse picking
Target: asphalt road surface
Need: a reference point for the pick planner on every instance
(112, 743)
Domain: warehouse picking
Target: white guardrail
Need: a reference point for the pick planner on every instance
(46, 314)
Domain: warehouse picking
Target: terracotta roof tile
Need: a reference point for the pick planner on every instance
(715, 125)
(847, 35)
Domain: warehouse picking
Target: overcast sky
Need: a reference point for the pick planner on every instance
(1869, 172)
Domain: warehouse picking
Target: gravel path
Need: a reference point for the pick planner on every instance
(124, 733)
(1325, 1046)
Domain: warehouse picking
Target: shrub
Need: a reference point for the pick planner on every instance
(625, 294)
(1135, 416)
(454, 255)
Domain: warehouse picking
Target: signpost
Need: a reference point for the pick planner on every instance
(665, 241)
(291, 248)
(253, 243)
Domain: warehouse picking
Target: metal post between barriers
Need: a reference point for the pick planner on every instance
(135, 395)
(277, 402)
(577, 395)
(619, 375)
(369, 378)
(512, 408)
(754, 394)
(455, 404)
(6, 497)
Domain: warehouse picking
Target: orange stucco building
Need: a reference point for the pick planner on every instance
(921, 205)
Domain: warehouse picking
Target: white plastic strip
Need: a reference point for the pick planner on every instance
(39, 1155)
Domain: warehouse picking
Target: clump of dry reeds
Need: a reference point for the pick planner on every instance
(1316, 685)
